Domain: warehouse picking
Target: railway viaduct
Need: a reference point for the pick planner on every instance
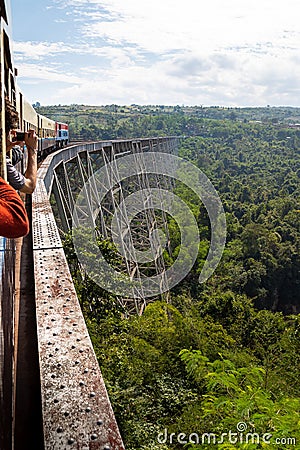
(52, 394)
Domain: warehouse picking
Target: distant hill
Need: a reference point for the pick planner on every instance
(121, 121)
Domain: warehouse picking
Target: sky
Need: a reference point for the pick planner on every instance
(188, 52)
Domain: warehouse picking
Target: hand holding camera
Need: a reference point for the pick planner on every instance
(29, 137)
(19, 136)
(31, 141)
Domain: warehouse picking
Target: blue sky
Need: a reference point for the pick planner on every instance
(192, 52)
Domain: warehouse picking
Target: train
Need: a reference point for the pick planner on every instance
(52, 134)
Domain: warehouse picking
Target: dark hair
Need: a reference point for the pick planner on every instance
(11, 116)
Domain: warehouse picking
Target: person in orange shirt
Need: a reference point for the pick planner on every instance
(13, 217)
(14, 221)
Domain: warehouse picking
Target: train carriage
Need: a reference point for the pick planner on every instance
(27, 115)
(47, 135)
(52, 135)
(62, 134)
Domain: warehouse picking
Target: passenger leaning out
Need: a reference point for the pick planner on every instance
(23, 183)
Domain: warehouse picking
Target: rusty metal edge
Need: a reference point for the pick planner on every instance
(76, 410)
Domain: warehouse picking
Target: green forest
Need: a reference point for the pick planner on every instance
(218, 366)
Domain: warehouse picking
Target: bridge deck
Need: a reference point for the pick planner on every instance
(75, 405)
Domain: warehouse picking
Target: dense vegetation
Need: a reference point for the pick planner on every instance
(113, 121)
(226, 352)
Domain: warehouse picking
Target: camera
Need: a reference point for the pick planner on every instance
(20, 136)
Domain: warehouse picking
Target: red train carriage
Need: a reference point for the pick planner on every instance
(62, 134)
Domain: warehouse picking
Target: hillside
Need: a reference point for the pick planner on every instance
(113, 121)
(226, 352)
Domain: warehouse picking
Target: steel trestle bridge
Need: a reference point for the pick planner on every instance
(52, 392)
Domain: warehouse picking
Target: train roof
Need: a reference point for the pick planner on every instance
(46, 119)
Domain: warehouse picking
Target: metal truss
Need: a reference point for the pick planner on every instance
(69, 178)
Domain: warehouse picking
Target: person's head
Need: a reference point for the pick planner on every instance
(11, 116)
(11, 125)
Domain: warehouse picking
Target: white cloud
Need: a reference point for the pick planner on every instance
(238, 52)
(160, 26)
(38, 50)
(46, 73)
(245, 83)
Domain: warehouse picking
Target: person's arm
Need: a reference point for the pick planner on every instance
(30, 174)
(13, 217)
(24, 183)
(15, 178)
(31, 142)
